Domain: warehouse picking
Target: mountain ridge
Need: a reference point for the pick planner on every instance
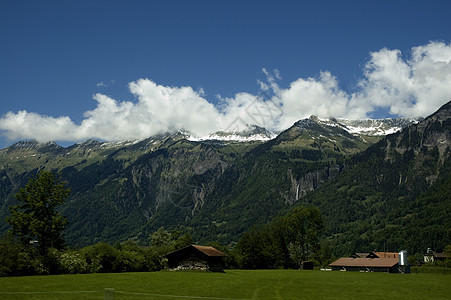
(395, 194)
(213, 189)
(365, 127)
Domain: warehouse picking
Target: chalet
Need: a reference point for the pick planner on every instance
(196, 257)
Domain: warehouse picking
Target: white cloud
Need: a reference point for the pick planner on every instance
(103, 84)
(306, 97)
(25, 125)
(412, 87)
(159, 109)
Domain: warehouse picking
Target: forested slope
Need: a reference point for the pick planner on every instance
(395, 195)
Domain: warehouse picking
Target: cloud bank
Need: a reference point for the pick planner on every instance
(410, 87)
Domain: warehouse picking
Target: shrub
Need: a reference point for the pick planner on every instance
(18, 260)
(72, 262)
(100, 257)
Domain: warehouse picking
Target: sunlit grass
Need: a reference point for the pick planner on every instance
(233, 284)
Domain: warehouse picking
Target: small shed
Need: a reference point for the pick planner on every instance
(307, 265)
(196, 257)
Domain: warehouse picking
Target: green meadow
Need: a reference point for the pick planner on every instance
(233, 284)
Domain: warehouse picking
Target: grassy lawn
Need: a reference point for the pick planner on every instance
(233, 284)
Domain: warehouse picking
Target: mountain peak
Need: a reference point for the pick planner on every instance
(443, 112)
(251, 133)
(369, 127)
(34, 145)
(375, 127)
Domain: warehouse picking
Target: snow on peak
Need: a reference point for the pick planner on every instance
(371, 127)
(251, 133)
(376, 127)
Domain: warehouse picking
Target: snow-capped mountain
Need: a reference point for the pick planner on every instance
(368, 127)
(365, 127)
(252, 133)
(376, 127)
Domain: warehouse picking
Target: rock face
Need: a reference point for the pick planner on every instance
(310, 181)
(167, 176)
(433, 132)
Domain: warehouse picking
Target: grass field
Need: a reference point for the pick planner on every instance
(233, 284)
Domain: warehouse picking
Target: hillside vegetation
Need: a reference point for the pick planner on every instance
(396, 194)
(389, 195)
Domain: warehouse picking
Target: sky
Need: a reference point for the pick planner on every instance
(121, 70)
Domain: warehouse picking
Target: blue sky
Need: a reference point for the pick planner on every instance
(72, 70)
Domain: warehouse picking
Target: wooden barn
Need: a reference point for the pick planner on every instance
(366, 264)
(196, 257)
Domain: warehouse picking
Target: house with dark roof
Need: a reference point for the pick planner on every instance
(431, 256)
(196, 257)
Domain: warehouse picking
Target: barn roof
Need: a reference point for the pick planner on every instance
(440, 255)
(387, 254)
(360, 254)
(210, 251)
(206, 250)
(365, 262)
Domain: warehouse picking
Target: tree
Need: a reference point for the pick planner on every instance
(161, 238)
(285, 242)
(36, 218)
(165, 242)
(181, 240)
(253, 250)
(14, 260)
(304, 226)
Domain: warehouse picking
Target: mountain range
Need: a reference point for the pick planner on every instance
(379, 183)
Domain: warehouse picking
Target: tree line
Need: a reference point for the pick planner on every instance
(285, 242)
(36, 245)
